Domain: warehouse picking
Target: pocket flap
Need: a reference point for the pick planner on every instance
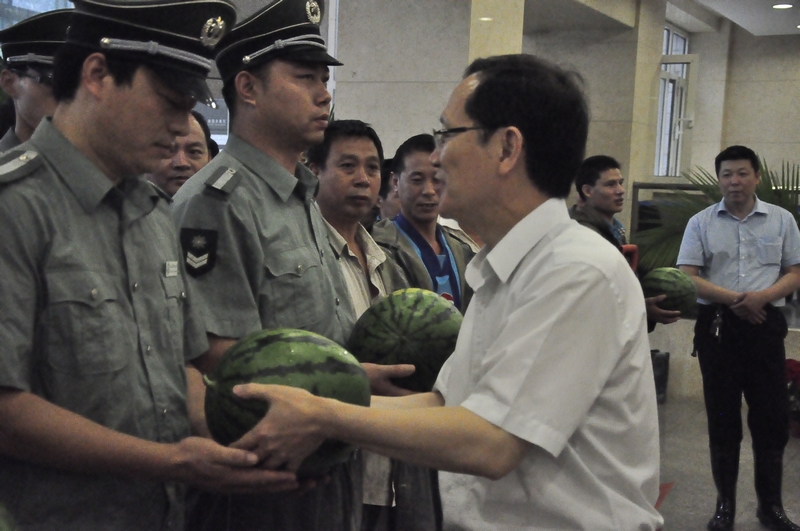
(88, 287)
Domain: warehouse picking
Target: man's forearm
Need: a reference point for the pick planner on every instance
(788, 283)
(33, 429)
(708, 291)
(445, 438)
(416, 400)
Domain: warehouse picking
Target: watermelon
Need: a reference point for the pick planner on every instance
(413, 326)
(287, 357)
(679, 288)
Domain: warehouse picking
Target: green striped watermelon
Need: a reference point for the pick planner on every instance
(679, 288)
(287, 357)
(412, 325)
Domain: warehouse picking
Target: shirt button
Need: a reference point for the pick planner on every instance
(165, 411)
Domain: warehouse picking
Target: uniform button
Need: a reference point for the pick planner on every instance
(183, 294)
(322, 254)
(148, 349)
(94, 293)
(165, 412)
(299, 267)
(135, 286)
(337, 301)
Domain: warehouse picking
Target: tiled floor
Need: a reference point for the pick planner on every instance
(685, 462)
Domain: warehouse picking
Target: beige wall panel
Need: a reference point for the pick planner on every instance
(762, 108)
(605, 60)
(402, 58)
(396, 110)
(500, 35)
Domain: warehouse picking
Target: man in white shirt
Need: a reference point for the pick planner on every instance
(545, 414)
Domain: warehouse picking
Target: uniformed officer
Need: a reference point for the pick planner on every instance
(28, 49)
(96, 323)
(254, 242)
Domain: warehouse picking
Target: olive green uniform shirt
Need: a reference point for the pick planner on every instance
(272, 267)
(95, 318)
(9, 140)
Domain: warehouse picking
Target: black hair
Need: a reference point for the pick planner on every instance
(737, 153)
(206, 132)
(68, 66)
(386, 177)
(545, 102)
(590, 171)
(416, 144)
(342, 129)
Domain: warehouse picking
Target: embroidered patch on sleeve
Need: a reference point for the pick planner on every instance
(199, 250)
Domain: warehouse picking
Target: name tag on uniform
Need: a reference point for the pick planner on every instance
(171, 269)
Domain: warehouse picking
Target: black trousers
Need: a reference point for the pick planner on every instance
(747, 360)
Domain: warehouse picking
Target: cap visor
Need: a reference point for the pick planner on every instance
(188, 83)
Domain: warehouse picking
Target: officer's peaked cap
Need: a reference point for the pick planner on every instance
(285, 29)
(35, 40)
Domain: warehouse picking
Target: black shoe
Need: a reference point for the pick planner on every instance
(775, 519)
(725, 470)
(723, 518)
(768, 476)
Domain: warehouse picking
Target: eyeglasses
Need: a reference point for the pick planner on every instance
(45, 78)
(441, 136)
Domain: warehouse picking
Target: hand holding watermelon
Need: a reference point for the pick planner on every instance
(205, 464)
(287, 435)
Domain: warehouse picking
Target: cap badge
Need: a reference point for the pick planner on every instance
(313, 11)
(212, 32)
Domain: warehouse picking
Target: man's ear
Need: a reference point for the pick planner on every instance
(314, 168)
(8, 82)
(395, 179)
(245, 83)
(95, 75)
(587, 190)
(512, 148)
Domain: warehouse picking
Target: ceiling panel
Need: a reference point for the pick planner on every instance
(757, 16)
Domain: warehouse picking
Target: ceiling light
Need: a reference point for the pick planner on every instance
(486, 19)
(782, 6)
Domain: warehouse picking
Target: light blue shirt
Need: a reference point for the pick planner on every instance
(741, 255)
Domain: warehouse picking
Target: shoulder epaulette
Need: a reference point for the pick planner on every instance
(223, 180)
(16, 164)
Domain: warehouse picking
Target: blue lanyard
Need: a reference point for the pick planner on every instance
(429, 258)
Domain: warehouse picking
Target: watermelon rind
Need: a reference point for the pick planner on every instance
(285, 356)
(679, 288)
(413, 326)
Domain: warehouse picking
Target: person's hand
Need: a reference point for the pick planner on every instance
(290, 430)
(657, 314)
(380, 378)
(207, 465)
(750, 307)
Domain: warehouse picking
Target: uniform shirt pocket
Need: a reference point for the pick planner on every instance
(769, 251)
(292, 293)
(83, 323)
